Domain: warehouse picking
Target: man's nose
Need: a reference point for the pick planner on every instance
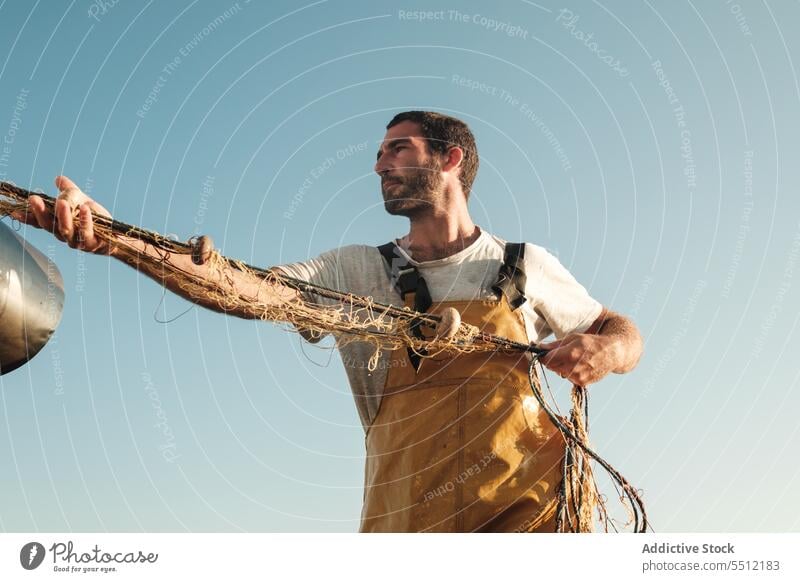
(381, 165)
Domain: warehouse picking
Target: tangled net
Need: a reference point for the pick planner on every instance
(357, 318)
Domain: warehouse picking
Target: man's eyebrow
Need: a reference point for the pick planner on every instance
(395, 141)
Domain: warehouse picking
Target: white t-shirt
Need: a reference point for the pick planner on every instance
(557, 303)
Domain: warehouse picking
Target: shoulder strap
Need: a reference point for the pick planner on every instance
(403, 275)
(406, 279)
(511, 277)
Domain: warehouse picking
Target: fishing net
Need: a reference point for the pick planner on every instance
(355, 318)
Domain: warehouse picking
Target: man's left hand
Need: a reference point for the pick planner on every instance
(611, 344)
(582, 358)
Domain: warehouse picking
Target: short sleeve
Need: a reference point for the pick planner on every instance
(563, 304)
(323, 270)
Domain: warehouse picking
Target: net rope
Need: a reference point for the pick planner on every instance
(352, 317)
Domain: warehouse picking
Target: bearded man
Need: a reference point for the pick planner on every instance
(454, 442)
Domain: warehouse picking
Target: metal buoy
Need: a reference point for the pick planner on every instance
(31, 300)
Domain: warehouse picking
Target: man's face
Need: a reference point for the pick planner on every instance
(411, 179)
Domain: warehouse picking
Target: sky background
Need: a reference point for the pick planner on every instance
(653, 147)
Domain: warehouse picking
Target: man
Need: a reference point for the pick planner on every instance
(454, 442)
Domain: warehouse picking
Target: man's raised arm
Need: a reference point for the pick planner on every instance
(80, 234)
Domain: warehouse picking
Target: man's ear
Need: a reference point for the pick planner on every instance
(453, 158)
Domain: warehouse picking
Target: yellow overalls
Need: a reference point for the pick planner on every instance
(461, 444)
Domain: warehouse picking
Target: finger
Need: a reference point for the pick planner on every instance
(550, 345)
(86, 237)
(553, 352)
(63, 183)
(43, 217)
(25, 217)
(553, 360)
(70, 191)
(567, 357)
(553, 364)
(98, 209)
(64, 223)
(559, 360)
(72, 197)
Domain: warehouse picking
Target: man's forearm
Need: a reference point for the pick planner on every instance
(222, 281)
(627, 341)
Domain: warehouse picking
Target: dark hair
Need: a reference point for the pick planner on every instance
(442, 132)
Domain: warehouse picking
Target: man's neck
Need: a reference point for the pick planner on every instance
(439, 235)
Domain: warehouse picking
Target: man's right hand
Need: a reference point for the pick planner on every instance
(72, 223)
(76, 231)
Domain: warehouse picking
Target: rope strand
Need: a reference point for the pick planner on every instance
(357, 318)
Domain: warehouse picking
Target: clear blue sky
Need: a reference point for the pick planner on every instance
(652, 146)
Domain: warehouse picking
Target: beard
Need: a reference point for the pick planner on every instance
(413, 193)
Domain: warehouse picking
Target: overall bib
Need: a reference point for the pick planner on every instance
(459, 443)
